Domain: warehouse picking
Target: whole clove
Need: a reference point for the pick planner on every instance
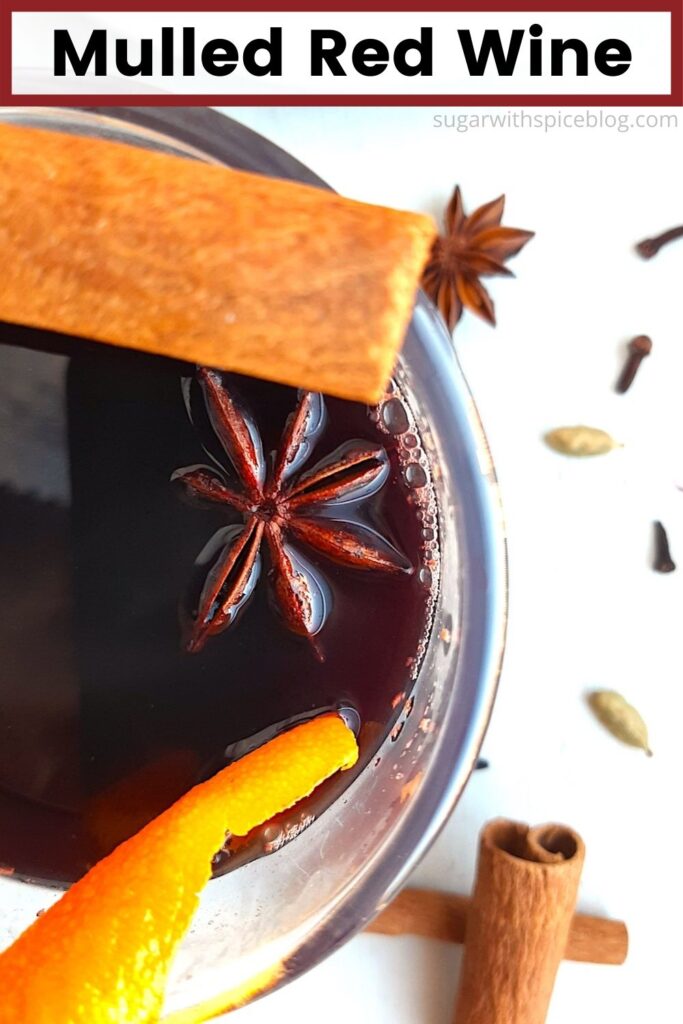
(638, 349)
(663, 561)
(649, 247)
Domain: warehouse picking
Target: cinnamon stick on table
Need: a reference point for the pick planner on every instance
(443, 915)
(202, 263)
(518, 926)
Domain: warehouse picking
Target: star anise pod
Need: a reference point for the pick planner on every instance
(281, 506)
(471, 247)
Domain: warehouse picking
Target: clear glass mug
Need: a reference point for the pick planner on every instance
(284, 913)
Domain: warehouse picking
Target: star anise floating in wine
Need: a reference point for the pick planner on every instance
(280, 505)
(473, 246)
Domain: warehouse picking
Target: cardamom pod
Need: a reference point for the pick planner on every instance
(620, 718)
(581, 441)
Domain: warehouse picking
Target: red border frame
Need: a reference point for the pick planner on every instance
(672, 98)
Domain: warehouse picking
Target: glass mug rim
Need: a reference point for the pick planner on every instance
(482, 562)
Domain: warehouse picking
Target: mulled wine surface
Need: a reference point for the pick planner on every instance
(107, 711)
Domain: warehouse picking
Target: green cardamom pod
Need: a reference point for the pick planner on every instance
(620, 718)
(581, 441)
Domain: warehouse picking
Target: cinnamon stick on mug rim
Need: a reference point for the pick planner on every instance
(202, 263)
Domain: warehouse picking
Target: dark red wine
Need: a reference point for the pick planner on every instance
(105, 717)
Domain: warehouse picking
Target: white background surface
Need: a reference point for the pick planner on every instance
(586, 609)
